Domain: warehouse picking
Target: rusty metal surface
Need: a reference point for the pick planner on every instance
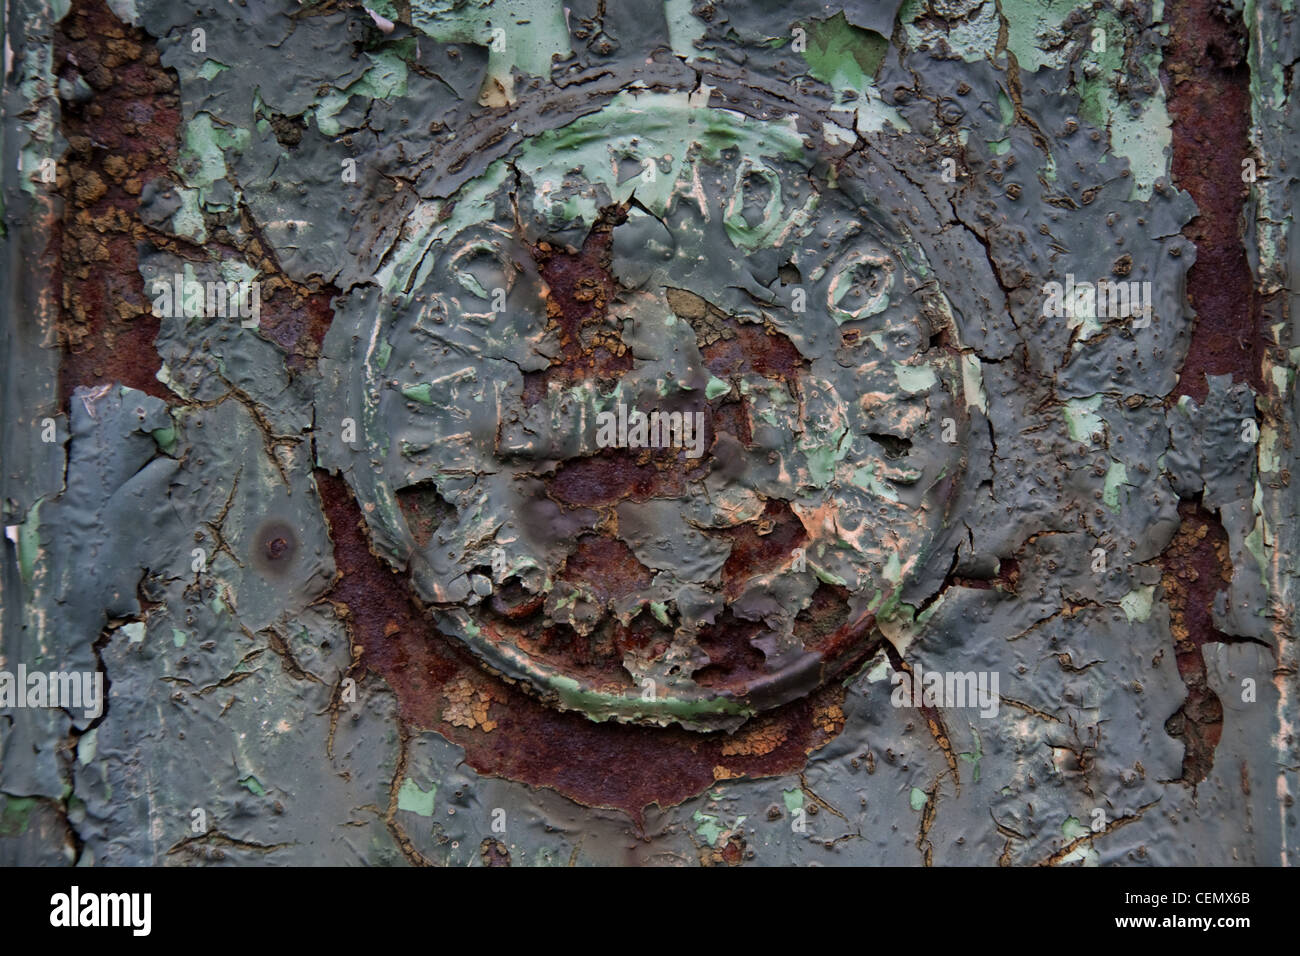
(384, 572)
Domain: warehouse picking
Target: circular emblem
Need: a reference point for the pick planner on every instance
(663, 411)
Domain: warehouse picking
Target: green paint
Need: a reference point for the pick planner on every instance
(422, 393)
(684, 28)
(918, 798)
(29, 542)
(1072, 829)
(1080, 420)
(532, 33)
(15, 814)
(165, 438)
(707, 826)
(87, 745)
(660, 611)
(793, 799)
(1137, 603)
(252, 785)
(211, 68)
(715, 388)
(842, 55)
(1116, 478)
(915, 379)
(413, 799)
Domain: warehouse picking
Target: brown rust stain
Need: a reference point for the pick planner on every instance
(578, 288)
(120, 140)
(122, 137)
(1196, 565)
(608, 764)
(1208, 83)
(1207, 78)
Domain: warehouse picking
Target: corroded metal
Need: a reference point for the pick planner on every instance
(741, 281)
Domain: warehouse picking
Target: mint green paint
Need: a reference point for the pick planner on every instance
(533, 32)
(211, 68)
(1116, 478)
(15, 814)
(793, 799)
(87, 745)
(1072, 829)
(684, 28)
(1137, 603)
(29, 541)
(165, 438)
(918, 798)
(826, 576)
(422, 393)
(707, 826)
(842, 55)
(413, 799)
(915, 379)
(716, 387)
(1080, 418)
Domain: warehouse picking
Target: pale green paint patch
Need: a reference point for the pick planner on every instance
(1072, 829)
(917, 798)
(707, 827)
(211, 68)
(973, 757)
(1116, 478)
(165, 438)
(915, 379)
(1137, 603)
(1081, 420)
(29, 542)
(1033, 25)
(413, 799)
(87, 745)
(716, 387)
(684, 29)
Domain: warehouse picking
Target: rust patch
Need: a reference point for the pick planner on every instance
(612, 765)
(761, 546)
(119, 139)
(1208, 83)
(1195, 566)
(579, 286)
